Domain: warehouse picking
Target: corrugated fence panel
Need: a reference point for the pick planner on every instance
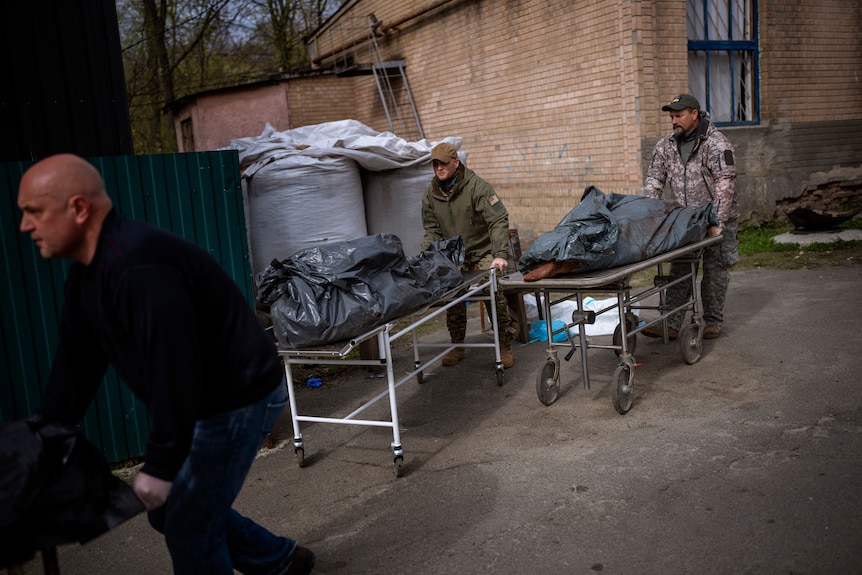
(195, 195)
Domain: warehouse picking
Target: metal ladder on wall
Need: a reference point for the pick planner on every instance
(390, 78)
(389, 75)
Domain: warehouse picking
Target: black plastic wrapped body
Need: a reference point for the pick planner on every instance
(334, 292)
(610, 230)
(55, 488)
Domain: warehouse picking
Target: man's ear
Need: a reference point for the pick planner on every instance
(81, 206)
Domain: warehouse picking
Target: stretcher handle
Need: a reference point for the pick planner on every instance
(578, 317)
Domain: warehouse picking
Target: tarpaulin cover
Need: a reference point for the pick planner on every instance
(55, 488)
(610, 230)
(331, 182)
(337, 291)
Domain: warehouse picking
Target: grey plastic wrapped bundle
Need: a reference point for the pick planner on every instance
(605, 231)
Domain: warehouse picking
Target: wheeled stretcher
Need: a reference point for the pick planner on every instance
(616, 281)
(476, 286)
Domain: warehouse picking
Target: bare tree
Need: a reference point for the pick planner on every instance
(174, 48)
(289, 21)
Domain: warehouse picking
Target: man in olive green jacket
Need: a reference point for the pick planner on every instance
(460, 203)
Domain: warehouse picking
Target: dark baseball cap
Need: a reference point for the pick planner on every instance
(682, 102)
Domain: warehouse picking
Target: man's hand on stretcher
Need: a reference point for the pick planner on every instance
(714, 231)
(501, 264)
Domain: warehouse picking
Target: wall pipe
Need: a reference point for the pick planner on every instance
(385, 28)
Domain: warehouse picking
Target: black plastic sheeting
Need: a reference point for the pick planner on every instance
(55, 488)
(610, 230)
(340, 290)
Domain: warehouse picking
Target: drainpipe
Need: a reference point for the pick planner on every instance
(387, 27)
(422, 12)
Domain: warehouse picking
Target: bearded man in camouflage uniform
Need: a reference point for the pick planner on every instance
(460, 203)
(697, 162)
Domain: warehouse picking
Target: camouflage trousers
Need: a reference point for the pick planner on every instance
(456, 320)
(717, 261)
(456, 316)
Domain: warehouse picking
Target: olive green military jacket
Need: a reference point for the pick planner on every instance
(473, 211)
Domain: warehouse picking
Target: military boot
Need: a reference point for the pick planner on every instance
(455, 355)
(507, 355)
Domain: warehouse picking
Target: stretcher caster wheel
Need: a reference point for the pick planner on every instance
(299, 453)
(420, 377)
(622, 389)
(631, 340)
(398, 465)
(547, 383)
(499, 376)
(690, 343)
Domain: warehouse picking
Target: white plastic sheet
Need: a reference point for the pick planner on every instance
(328, 182)
(605, 323)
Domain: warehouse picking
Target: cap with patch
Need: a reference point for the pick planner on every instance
(444, 152)
(682, 102)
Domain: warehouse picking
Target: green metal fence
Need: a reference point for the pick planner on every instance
(195, 195)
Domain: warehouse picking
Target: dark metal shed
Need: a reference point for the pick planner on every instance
(63, 87)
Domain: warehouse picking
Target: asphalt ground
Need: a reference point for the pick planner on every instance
(748, 461)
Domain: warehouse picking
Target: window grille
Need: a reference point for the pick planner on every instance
(723, 66)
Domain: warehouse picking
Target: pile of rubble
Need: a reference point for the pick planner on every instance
(828, 199)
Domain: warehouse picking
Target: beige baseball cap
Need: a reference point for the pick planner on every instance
(444, 152)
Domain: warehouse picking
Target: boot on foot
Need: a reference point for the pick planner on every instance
(454, 356)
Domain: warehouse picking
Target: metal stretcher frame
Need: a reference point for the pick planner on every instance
(476, 286)
(616, 281)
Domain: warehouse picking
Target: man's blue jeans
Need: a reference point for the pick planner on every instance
(202, 531)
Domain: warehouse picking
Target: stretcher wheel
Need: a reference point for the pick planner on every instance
(631, 340)
(420, 377)
(398, 465)
(690, 343)
(299, 453)
(622, 389)
(547, 383)
(499, 376)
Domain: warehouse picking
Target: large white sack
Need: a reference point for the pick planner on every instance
(298, 201)
(303, 187)
(393, 203)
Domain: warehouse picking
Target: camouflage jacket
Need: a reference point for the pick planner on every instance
(471, 210)
(709, 175)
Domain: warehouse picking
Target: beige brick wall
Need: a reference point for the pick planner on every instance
(318, 99)
(553, 96)
(811, 63)
(544, 94)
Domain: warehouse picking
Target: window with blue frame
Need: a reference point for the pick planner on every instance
(723, 59)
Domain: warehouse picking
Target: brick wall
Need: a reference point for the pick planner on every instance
(225, 115)
(550, 97)
(811, 61)
(810, 97)
(318, 99)
(544, 94)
